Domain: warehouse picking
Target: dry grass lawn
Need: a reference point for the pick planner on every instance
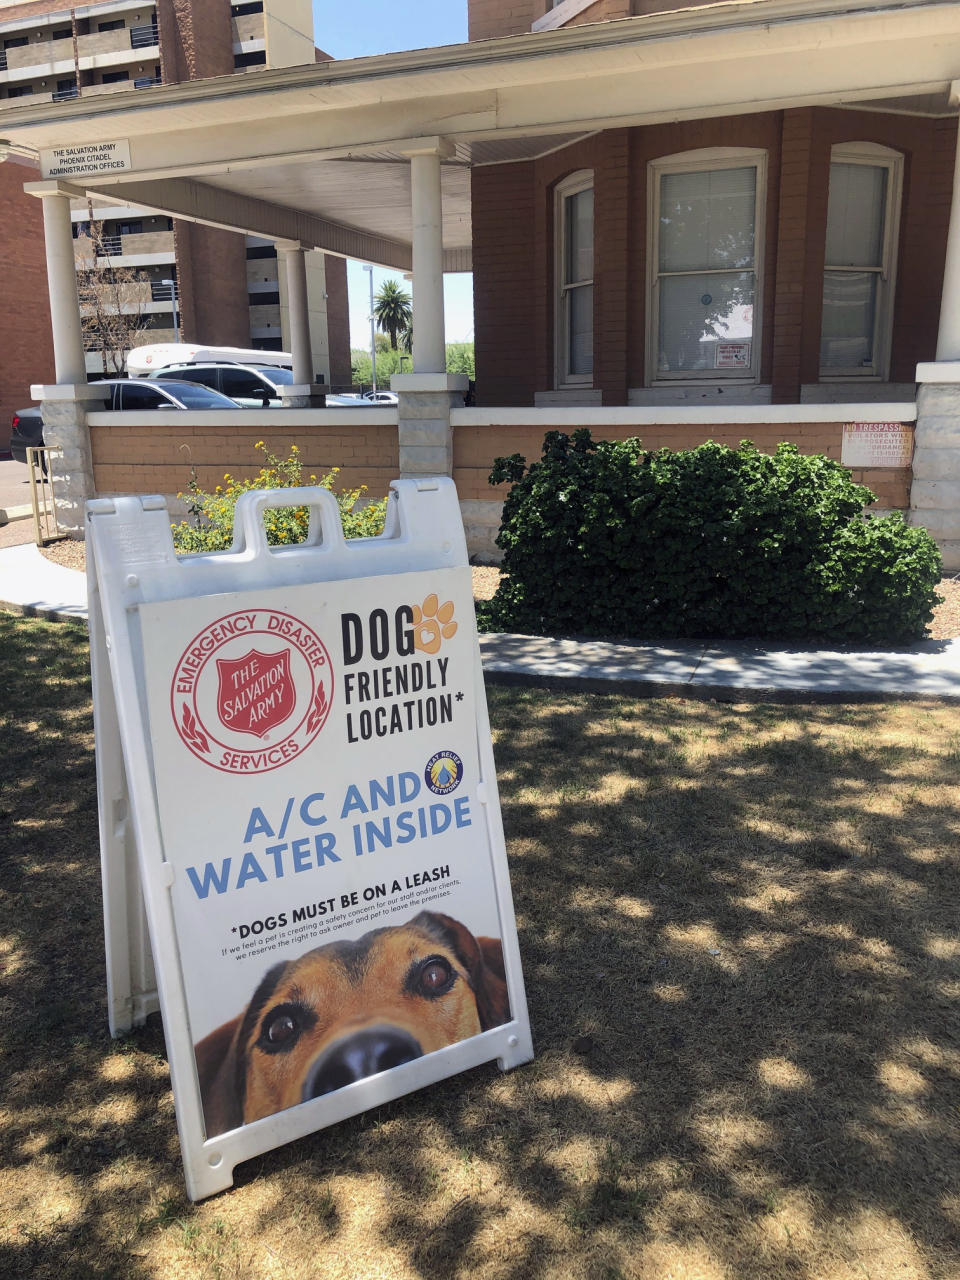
(739, 928)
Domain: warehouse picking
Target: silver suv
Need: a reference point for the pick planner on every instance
(251, 386)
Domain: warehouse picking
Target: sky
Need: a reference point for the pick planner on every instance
(366, 27)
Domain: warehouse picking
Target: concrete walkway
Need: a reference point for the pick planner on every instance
(931, 669)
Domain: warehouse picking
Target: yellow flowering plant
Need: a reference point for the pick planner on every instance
(210, 526)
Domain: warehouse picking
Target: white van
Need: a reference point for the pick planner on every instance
(142, 361)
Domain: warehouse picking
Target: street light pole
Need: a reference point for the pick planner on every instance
(373, 332)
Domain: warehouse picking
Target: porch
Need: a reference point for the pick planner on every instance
(395, 160)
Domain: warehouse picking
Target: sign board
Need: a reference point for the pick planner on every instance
(877, 444)
(733, 355)
(315, 819)
(85, 157)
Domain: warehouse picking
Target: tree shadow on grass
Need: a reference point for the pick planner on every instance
(738, 931)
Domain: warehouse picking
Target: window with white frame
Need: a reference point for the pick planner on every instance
(863, 217)
(706, 253)
(574, 277)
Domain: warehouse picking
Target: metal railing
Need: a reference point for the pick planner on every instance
(3, 59)
(109, 246)
(164, 291)
(146, 82)
(64, 95)
(144, 36)
(45, 525)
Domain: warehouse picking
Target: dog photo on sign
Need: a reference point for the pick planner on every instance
(348, 1010)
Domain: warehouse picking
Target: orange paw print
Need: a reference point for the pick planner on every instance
(432, 625)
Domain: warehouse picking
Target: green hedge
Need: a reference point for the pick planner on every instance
(602, 538)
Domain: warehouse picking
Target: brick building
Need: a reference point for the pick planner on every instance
(223, 288)
(780, 256)
(25, 341)
(727, 220)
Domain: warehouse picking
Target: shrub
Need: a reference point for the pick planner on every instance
(213, 512)
(603, 538)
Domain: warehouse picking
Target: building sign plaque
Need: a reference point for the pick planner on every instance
(85, 157)
(877, 444)
(733, 355)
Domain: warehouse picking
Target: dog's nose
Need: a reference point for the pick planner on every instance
(365, 1053)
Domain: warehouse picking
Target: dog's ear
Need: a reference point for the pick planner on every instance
(494, 1005)
(483, 960)
(217, 1056)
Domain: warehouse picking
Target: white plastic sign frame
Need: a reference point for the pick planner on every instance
(143, 599)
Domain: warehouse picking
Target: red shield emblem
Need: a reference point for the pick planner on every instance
(256, 692)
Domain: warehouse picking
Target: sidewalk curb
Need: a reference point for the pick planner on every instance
(727, 693)
(47, 615)
(9, 514)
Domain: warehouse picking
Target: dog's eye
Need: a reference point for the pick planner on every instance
(280, 1028)
(436, 976)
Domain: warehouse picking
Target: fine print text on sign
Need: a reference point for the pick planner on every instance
(733, 355)
(85, 157)
(877, 444)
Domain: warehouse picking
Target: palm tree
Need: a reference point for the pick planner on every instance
(393, 310)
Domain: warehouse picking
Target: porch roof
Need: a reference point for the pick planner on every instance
(319, 154)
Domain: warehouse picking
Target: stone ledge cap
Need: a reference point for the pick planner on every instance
(942, 371)
(69, 391)
(429, 382)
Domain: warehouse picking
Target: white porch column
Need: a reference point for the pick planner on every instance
(68, 356)
(427, 395)
(66, 403)
(305, 393)
(935, 486)
(426, 207)
(295, 265)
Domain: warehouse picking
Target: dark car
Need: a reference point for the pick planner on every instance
(125, 393)
(251, 386)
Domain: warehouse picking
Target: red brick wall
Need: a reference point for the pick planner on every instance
(602, 11)
(196, 41)
(338, 320)
(486, 18)
(158, 459)
(474, 449)
(513, 247)
(26, 346)
(489, 18)
(212, 276)
(505, 292)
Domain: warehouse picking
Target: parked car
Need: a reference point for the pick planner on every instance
(250, 386)
(125, 393)
(157, 356)
(381, 397)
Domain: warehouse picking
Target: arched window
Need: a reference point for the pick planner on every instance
(573, 273)
(705, 223)
(859, 279)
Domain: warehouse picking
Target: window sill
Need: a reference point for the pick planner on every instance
(857, 391)
(567, 396)
(701, 393)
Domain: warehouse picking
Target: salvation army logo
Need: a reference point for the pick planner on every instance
(443, 773)
(256, 692)
(252, 691)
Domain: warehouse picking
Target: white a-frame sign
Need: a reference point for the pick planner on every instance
(303, 858)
